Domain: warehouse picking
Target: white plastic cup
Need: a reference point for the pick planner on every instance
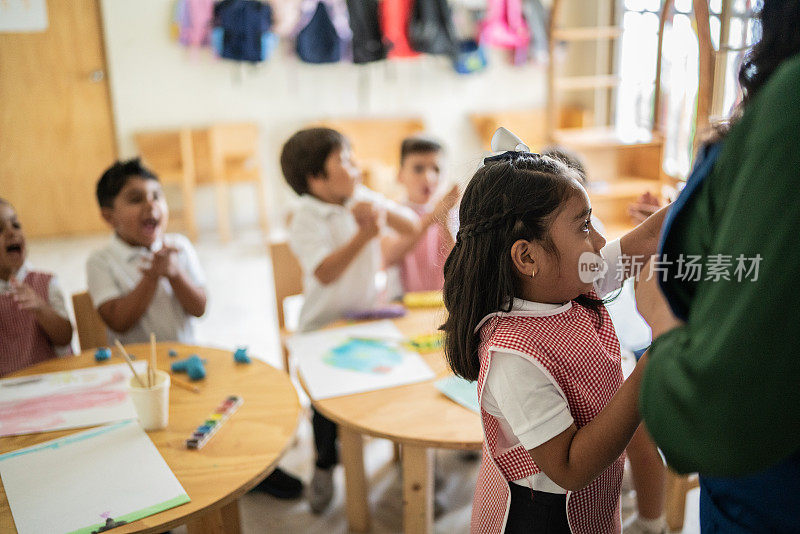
(152, 404)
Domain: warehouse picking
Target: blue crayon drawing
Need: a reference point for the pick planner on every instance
(365, 356)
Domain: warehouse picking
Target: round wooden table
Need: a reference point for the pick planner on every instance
(416, 416)
(237, 458)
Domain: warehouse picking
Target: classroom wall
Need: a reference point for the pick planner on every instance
(156, 83)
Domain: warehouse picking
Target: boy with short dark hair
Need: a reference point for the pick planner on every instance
(334, 235)
(420, 256)
(334, 228)
(143, 281)
(147, 281)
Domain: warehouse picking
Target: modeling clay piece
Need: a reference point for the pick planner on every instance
(110, 523)
(390, 311)
(192, 366)
(240, 355)
(172, 353)
(423, 299)
(102, 354)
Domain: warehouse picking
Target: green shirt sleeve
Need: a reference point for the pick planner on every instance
(721, 394)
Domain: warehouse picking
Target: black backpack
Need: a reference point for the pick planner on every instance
(241, 30)
(431, 29)
(368, 43)
(318, 42)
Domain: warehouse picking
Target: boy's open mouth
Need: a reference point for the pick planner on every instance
(14, 249)
(150, 224)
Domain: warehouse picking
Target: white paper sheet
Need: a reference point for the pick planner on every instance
(69, 399)
(73, 484)
(354, 359)
(23, 16)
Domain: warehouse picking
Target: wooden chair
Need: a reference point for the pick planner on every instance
(170, 154)
(226, 154)
(288, 278)
(92, 331)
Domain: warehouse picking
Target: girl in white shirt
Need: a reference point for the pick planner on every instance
(522, 288)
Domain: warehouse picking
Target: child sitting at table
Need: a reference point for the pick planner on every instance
(334, 233)
(143, 280)
(146, 281)
(33, 317)
(420, 256)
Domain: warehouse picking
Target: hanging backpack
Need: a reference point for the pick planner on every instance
(193, 20)
(505, 27)
(471, 57)
(325, 34)
(394, 18)
(241, 30)
(368, 43)
(431, 30)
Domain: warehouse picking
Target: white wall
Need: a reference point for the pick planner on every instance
(156, 83)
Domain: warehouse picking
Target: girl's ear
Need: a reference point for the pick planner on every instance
(525, 256)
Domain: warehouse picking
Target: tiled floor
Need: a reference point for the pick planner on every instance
(241, 312)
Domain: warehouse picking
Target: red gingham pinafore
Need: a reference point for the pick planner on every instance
(22, 340)
(584, 360)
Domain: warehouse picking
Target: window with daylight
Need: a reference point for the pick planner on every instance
(731, 22)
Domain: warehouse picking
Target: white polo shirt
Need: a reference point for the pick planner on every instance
(319, 228)
(113, 272)
(55, 298)
(527, 403)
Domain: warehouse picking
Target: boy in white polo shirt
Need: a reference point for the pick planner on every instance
(143, 281)
(334, 235)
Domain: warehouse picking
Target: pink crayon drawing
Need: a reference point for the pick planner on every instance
(53, 411)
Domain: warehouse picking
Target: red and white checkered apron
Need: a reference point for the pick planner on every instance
(22, 340)
(584, 360)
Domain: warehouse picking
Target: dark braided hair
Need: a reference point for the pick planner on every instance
(508, 199)
(471, 230)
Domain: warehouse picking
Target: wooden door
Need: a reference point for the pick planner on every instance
(56, 131)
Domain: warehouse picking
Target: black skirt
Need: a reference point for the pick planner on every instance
(536, 512)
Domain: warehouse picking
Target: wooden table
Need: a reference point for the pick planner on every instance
(237, 458)
(416, 416)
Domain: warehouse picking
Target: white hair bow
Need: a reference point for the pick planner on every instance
(505, 141)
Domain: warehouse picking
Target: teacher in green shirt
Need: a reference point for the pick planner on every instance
(721, 393)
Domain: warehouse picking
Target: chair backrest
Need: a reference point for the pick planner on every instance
(287, 274)
(91, 328)
(233, 152)
(168, 153)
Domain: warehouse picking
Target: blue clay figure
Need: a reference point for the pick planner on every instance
(102, 354)
(240, 355)
(192, 366)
